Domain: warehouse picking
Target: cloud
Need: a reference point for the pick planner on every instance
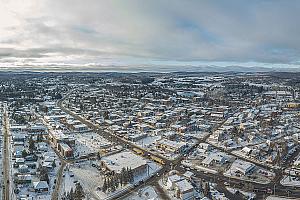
(118, 32)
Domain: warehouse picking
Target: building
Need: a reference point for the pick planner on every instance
(184, 190)
(40, 186)
(171, 180)
(242, 167)
(80, 127)
(65, 150)
(171, 146)
(215, 158)
(125, 159)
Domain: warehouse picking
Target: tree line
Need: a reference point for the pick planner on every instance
(115, 181)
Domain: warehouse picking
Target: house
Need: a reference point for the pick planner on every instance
(242, 167)
(40, 186)
(42, 146)
(80, 128)
(205, 146)
(23, 169)
(217, 158)
(184, 190)
(171, 146)
(65, 150)
(23, 178)
(171, 180)
(20, 161)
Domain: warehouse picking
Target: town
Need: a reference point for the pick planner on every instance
(149, 136)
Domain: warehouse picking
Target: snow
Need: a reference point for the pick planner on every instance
(145, 193)
(87, 143)
(92, 180)
(249, 195)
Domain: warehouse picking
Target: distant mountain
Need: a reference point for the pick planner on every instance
(213, 68)
(149, 68)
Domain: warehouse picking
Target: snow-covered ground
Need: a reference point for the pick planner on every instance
(248, 195)
(145, 193)
(89, 142)
(88, 176)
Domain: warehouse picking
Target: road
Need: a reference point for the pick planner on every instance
(6, 157)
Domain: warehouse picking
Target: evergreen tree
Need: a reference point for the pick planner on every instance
(131, 177)
(71, 194)
(24, 153)
(113, 187)
(79, 193)
(53, 164)
(44, 174)
(31, 144)
(109, 185)
(116, 181)
(121, 179)
(104, 187)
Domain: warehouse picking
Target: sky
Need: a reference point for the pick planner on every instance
(126, 34)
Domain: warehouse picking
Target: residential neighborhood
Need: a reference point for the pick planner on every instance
(160, 136)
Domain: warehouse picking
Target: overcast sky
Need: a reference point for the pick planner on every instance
(155, 32)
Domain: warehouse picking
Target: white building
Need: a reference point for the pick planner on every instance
(242, 167)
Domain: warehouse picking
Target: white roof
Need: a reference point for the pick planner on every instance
(40, 185)
(184, 185)
(241, 166)
(125, 159)
(175, 178)
(172, 144)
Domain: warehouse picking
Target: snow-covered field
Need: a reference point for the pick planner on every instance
(87, 143)
(145, 193)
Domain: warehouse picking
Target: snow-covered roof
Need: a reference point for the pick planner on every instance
(184, 185)
(40, 185)
(125, 159)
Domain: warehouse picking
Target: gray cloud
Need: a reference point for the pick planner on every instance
(99, 31)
